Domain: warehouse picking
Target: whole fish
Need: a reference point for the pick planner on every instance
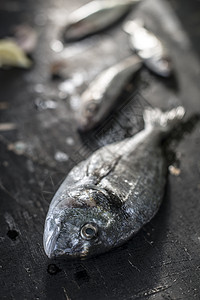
(107, 198)
(102, 93)
(149, 48)
(94, 17)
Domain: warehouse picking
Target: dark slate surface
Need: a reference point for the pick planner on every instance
(162, 260)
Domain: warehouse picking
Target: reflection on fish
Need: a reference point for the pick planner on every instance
(94, 17)
(12, 55)
(149, 48)
(107, 198)
(102, 93)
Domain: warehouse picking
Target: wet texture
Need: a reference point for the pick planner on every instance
(113, 193)
(94, 17)
(162, 260)
(148, 47)
(53, 269)
(101, 96)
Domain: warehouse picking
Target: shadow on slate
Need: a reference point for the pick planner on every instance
(189, 16)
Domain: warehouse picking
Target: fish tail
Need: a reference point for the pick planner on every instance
(163, 121)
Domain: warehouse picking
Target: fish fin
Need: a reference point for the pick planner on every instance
(164, 121)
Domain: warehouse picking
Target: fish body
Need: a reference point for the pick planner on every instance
(94, 17)
(101, 95)
(107, 198)
(149, 48)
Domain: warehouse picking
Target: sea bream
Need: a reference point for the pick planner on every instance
(101, 95)
(94, 17)
(149, 48)
(108, 197)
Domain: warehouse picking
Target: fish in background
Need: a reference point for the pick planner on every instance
(149, 48)
(101, 95)
(94, 17)
(107, 198)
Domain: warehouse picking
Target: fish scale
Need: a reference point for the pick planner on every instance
(108, 197)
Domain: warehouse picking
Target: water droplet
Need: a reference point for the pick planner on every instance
(75, 102)
(50, 104)
(39, 88)
(77, 79)
(45, 104)
(18, 147)
(70, 141)
(57, 46)
(62, 95)
(61, 156)
(27, 270)
(53, 269)
(67, 86)
(12, 234)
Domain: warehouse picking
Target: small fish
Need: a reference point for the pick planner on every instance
(149, 48)
(12, 55)
(94, 17)
(107, 198)
(101, 95)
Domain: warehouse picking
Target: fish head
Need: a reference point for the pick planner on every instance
(75, 31)
(77, 229)
(89, 115)
(159, 65)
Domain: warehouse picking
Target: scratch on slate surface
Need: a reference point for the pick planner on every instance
(133, 265)
(65, 292)
(153, 291)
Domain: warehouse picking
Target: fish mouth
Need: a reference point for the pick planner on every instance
(55, 249)
(51, 235)
(50, 239)
(85, 124)
(69, 255)
(51, 250)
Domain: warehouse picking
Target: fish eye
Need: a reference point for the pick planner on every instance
(91, 108)
(88, 231)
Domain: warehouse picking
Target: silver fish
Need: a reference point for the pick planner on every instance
(107, 198)
(101, 95)
(94, 17)
(149, 48)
